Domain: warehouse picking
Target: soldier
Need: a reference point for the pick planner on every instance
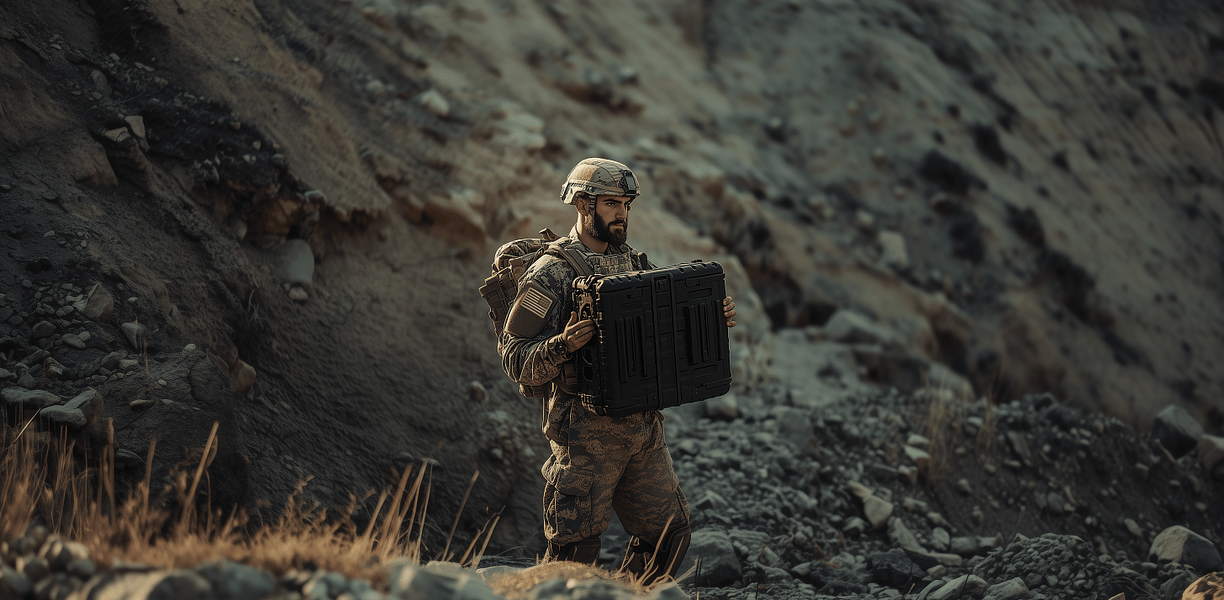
(598, 463)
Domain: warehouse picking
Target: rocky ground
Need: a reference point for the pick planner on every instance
(274, 217)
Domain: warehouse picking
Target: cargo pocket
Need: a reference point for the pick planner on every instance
(568, 508)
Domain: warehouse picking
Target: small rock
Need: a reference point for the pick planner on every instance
(98, 305)
(433, 101)
(140, 404)
(1054, 503)
(723, 407)
(877, 511)
(921, 459)
(1211, 451)
(136, 124)
(719, 564)
(1133, 527)
(64, 416)
(940, 539)
(962, 486)
(117, 135)
(477, 391)
(298, 294)
(1176, 430)
(965, 585)
(19, 398)
(964, 545)
(1181, 545)
(6, 375)
(1011, 589)
(893, 253)
(71, 339)
(237, 581)
(89, 402)
(854, 527)
(13, 583)
(42, 330)
(864, 220)
(894, 569)
(859, 490)
(908, 475)
(978, 516)
(137, 335)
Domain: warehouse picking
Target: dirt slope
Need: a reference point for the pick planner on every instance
(1028, 195)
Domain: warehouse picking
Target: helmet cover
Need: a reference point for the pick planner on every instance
(599, 177)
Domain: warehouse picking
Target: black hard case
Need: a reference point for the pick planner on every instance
(661, 339)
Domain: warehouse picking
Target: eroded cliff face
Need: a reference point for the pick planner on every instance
(1028, 194)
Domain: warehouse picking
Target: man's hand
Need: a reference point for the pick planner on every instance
(578, 333)
(729, 311)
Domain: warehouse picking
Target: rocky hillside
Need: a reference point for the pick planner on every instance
(275, 215)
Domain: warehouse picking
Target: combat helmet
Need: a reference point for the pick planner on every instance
(599, 177)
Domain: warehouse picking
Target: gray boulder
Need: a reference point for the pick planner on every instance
(237, 581)
(1180, 545)
(719, 564)
(17, 397)
(1011, 589)
(894, 569)
(1176, 430)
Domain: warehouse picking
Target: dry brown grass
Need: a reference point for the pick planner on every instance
(41, 481)
(940, 419)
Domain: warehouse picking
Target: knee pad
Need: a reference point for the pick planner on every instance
(582, 551)
(643, 561)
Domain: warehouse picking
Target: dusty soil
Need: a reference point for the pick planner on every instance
(1053, 174)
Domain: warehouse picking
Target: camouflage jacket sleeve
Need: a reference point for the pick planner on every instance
(536, 360)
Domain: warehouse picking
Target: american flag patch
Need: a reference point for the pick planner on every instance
(535, 301)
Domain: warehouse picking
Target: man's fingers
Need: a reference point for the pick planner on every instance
(573, 318)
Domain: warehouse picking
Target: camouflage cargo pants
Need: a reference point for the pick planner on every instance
(603, 463)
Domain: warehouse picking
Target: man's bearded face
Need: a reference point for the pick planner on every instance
(614, 233)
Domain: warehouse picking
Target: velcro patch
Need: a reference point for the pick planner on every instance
(526, 319)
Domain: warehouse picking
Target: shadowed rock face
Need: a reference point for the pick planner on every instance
(1051, 176)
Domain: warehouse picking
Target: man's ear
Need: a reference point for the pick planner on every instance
(582, 204)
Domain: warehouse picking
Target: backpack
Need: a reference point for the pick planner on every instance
(510, 263)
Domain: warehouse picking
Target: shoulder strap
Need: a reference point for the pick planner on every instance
(571, 256)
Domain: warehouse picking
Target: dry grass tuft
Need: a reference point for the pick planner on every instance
(940, 421)
(41, 481)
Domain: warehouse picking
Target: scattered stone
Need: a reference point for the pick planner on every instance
(723, 407)
(1011, 589)
(64, 416)
(477, 391)
(6, 375)
(98, 305)
(894, 569)
(237, 581)
(908, 475)
(893, 252)
(433, 101)
(1211, 451)
(921, 459)
(963, 586)
(940, 539)
(854, 527)
(296, 293)
(42, 330)
(13, 583)
(1133, 527)
(1176, 430)
(964, 545)
(877, 511)
(74, 341)
(962, 486)
(137, 335)
(19, 398)
(864, 220)
(719, 564)
(89, 402)
(1181, 545)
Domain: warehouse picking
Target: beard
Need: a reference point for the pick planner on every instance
(602, 231)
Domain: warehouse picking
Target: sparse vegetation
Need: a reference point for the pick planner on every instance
(42, 482)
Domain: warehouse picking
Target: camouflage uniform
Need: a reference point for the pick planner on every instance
(598, 463)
